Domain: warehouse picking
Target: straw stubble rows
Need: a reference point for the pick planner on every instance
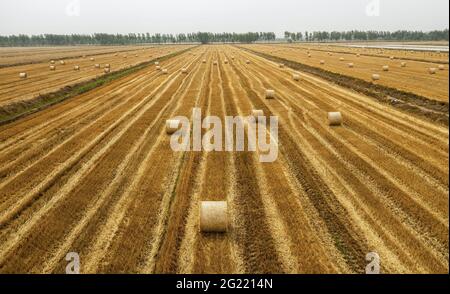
(96, 175)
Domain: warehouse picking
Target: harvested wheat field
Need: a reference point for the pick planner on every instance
(48, 76)
(408, 71)
(95, 174)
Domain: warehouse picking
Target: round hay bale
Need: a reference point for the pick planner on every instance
(392, 57)
(158, 67)
(62, 62)
(247, 62)
(156, 63)
(341, 59)
(184, 70)
(309, 55)
(204, 61)
(214, 62)
(257, 113)
(385, 67)
(358, 55)
(23, 75)
(296, 77)
(52, 67)
(281, 65)
(403, 64)
(165, 71)
(432, 70)
(270, 94)
(334, 118)
(441, 67)
(226, 61)
(213, 216)
(107, 65)
(76, 67)
(92, 59)
(351, 65)
(172, 126)
(97, 65)
(375, 77)
(52, 62)
(232, 57)
(107, 70)
(322, 62)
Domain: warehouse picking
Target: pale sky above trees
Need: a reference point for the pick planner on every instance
(176, 16)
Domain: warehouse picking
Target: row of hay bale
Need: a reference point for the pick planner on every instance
(52, 67)
(376, 77)
(213, 214)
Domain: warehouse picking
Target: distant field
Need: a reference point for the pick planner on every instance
(23, 55)
(414, 77)
(41, 80)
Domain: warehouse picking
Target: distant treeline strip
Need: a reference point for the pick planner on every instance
(130, 39)
(402, 35)
(205, 37)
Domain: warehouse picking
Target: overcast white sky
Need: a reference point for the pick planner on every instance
(175, 16)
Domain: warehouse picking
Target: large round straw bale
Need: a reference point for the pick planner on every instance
(214, 62)
(62, 62)
(341, 59)
(257, 113)
(358, 55)
(107, 70)
(97, 65)
(322, 62)
(351, 65)
(204, 61)
(76, 67)
(156, 63)
(213, 216)
(226, 61)
(441, 67)
(392, 57)
(385, 67)
(432, 70)
(247, 61)
(281, 65)
(403, 64)
(23, 75)
(270, 94)
(107, 65)
(296, 77)
(172, 126)
(158, 67)
(92, 59)
(375, 77)
(52, 62)
(165, 71)
(184, 70)
(334, 118)
(52, 67)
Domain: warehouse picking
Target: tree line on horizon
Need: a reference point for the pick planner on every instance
(132, 39)
(205, 38)
(355, 35)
